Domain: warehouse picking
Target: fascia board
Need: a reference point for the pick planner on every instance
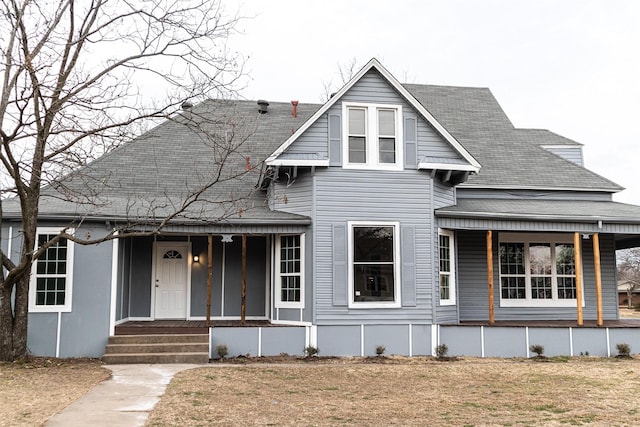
(521, 187)
(294, 162)
(448, 166)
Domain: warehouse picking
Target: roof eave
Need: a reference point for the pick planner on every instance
(300, 220)
(535, 217)
(538, 188)
(449, 166)
(294, 162)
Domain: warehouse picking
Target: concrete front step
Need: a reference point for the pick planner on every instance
(171, 348)
(154, 339)
(158, 348)
(198, 358)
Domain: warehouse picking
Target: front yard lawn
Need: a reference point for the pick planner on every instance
(406, 391)
(32, 392)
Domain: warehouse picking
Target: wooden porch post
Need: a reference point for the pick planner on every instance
(577, 254)
(243, 304)
(490, 275)
(209, 277)
(596, 263)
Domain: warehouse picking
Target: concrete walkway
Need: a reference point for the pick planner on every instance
(124, 400)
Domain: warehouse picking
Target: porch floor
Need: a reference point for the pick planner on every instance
(620, 323)
(161, 327)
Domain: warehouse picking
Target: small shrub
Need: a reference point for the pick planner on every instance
(637, 306)
(624, 350)
(311, 351)
(537, 349)
(380, 349)
(222, 350)
(441, 351)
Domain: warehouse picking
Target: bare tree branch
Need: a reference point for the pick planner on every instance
(78, 79)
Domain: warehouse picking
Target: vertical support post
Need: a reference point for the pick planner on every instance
(490, 276)
(243, 305)
(577, 254)
(596, 263)
(209, 277)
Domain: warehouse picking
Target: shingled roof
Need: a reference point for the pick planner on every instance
(508, 158)
(147, 177)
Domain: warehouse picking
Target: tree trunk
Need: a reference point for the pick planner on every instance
(6, 324)
(13, 320)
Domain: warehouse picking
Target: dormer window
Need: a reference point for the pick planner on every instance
(373, 135)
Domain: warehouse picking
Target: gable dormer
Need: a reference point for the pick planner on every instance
(373, 122)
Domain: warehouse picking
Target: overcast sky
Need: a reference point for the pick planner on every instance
(570, 66)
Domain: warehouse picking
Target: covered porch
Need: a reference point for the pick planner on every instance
(540, 263)
(188, 278)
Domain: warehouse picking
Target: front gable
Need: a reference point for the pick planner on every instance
(418, 141)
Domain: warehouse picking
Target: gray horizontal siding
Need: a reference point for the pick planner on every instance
(572, 154)
(432, 144)
(295, 196)
(472, 276)
(373, 88)
(314, 140)
(83, 331)
(443, 195)
(355, 195)
(472, 283)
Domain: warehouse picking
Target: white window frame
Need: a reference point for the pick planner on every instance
(396, 265)
(526, 239)
(372, 137)
(66, 308)
(278, 285)
(452, 268)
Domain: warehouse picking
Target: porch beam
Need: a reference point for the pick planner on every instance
(490, 276)
(596, 263)
(243, 298)
(577, 254)
(209, 277)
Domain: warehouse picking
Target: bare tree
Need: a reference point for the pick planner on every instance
(75, 82)
(629, 271)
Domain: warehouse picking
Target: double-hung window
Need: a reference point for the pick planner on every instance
(374, 278)
(537, 270)
(447, 268)
(290, 271)
(373, 136)
(51, 274)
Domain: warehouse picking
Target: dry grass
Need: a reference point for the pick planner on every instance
(30, 393)
(418, 391)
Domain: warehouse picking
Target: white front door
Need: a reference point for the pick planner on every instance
(172, 263)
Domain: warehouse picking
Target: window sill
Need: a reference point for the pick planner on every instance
(367, 305)
(50, 309)
(295, 305)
